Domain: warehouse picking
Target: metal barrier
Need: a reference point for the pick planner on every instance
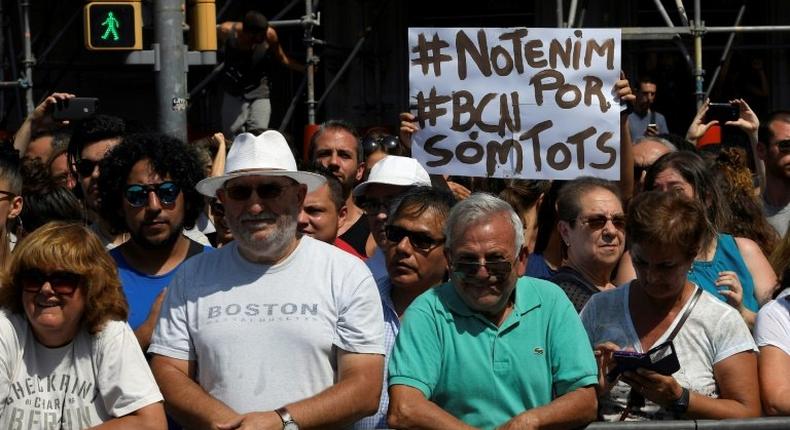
(768, 423)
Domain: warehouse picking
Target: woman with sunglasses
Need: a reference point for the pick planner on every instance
(68, 359)
(733, 269)
(704, 364)
(592, 227)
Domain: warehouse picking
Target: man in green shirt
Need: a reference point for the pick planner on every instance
(487, 349)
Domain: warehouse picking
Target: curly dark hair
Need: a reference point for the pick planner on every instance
(168, 156)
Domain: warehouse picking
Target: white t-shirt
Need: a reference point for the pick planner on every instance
(773, 323)
(713, 331)
(267, 335)
(89, 381)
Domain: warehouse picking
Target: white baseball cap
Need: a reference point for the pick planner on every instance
(395, 170)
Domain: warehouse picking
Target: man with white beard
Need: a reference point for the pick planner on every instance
(274, 330)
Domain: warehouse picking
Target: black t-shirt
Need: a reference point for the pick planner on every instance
(578, 289)
(357, 235)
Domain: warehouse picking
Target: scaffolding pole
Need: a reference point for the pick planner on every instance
(725, 55)
(28, 61)
(311, 59)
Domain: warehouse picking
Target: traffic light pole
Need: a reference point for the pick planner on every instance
(171, 76)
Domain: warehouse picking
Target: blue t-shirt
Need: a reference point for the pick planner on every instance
(141, 289)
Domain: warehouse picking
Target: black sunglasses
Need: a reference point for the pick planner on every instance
(386, 143)
(61, 282)
(8, 195)
(419, 240)
(86, 167)
(599, 221)
(137, 194)
(783, 145)
(243, 192)
(469, 269)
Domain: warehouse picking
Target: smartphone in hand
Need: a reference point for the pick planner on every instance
(75, 108)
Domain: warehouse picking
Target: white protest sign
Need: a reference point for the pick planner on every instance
(516, 102)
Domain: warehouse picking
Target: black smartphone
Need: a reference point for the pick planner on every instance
(75, 108)
(662, 359)
(722, 112)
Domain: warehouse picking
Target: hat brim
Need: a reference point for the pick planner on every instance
(209, 186)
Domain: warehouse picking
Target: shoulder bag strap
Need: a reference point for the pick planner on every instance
(686, 314)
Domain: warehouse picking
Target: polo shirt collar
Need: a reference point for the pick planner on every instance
(525, 300)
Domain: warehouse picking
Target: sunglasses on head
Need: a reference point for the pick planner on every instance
(137, 194)
(86, 167)
(243, 192)
(386, 143)
(61, 282)
(469, 269)
(597, 222)
(419, 240)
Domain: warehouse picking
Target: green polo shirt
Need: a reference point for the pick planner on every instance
(483, 374)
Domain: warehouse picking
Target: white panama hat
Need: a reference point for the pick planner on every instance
(265, 155)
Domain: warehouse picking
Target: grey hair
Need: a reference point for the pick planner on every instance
(479, 207)
(667, 144)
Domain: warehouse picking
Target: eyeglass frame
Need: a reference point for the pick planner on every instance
(414, 238)
(615, 220)
(55, 280)
(478, 265)
(385, 142)
(147, 189)
(250, 189)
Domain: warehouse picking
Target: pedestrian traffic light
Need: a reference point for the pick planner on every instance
(113, 26)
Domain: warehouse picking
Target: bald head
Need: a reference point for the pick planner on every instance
(648, 149)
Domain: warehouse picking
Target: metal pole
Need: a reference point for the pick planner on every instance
(28, 62)
(682, 12)
(311, 59)
(171, 77)
(726, 54)
(572, 13)
(2, 60)
(290, 112)
(560, 14)
(677, 40)
(699, 79)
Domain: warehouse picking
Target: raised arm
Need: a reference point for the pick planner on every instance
(624, 95)
(186, 401)
(409, 409)
(40, 117)
(354, 396)
(765, 281)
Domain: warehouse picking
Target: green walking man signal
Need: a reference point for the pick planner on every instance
(113, 26)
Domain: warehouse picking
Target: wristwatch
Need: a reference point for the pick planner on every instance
(288, 421)
(681, 405)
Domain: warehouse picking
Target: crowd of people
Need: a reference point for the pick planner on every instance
(219, 284)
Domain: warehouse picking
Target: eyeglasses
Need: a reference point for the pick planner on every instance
(86, 167)
(599, 221)
(61, 282)
(137, 194)
(372, 206)
(419, 240)
(386, 143)
(783, 145)
(265, 191)
(498, 269)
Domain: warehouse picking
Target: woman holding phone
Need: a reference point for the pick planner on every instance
(717, 377)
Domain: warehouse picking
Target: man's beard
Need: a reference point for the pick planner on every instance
(278, 240)
(165, 243)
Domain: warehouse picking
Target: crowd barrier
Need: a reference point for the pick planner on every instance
(769, 423)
